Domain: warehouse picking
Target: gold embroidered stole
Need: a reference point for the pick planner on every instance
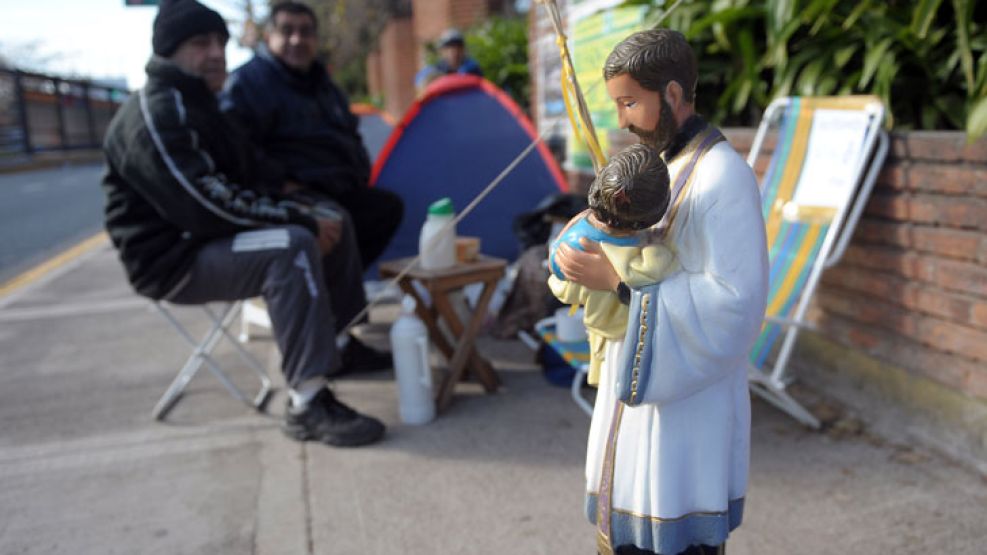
(681, 170)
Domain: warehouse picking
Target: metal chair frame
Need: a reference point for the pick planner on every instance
(202, 355)
(770, 384)
(545, 329)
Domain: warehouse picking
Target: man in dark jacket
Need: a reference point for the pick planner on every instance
(302, 123)
(190, 226)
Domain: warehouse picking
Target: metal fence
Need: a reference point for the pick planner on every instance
(40, 113)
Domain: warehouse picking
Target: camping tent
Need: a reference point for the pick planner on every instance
(375, 127)
(453, 142)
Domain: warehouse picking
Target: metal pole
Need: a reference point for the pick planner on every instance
(22, 111)
(90, 119)
(62, 132)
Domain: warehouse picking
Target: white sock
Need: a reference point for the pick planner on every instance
(342, 340)
(302, 395)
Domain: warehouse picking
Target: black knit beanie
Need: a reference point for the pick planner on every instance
(178, 20)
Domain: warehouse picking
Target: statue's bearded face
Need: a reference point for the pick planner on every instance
(642, 112)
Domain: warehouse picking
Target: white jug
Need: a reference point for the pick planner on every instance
(437, 242)
(409, 349)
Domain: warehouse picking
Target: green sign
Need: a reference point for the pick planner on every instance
(590, 40)
(140, 2)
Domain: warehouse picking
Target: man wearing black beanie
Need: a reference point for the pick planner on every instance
(185, 213)
(178, 20)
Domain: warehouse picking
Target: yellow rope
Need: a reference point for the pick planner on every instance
(572, 94)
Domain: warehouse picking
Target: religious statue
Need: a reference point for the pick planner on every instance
(668, 451)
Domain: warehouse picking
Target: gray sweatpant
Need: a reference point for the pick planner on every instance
(307, 296)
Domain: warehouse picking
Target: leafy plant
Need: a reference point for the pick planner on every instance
(926, 59)
(500, 46)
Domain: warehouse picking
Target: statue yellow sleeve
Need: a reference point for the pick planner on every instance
(638, 266)
(567, 291)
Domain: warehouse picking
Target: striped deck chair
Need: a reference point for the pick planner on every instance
(576, 354)
(827, 155)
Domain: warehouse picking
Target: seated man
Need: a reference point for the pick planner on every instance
(190, 228)
(302, 124)
(452, 59)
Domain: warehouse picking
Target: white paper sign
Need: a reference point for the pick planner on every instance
(836, 144)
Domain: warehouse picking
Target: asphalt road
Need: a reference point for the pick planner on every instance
(45, 212)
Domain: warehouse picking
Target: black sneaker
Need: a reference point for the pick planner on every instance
(331, 422)
(357, 357)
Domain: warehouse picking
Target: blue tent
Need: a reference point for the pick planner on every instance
(375, 127)
(453, 142)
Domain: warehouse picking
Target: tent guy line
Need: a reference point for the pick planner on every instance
(451, 225)
(459, 217)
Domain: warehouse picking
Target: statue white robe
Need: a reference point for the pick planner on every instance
(681, 442)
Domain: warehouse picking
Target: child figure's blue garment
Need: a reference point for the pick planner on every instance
(583, 228)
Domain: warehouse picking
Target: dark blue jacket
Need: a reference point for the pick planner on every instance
(301, 123)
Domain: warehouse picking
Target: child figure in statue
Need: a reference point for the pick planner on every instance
(629, 196)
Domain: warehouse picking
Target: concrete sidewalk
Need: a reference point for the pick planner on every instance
(84, 468)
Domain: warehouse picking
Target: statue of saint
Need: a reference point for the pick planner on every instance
(668, 449)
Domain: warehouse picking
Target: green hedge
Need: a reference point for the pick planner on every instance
(500, 46)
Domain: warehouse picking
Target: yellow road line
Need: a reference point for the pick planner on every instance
(53, 263)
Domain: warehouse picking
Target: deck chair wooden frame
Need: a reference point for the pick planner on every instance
(202, 354)
(819, 234)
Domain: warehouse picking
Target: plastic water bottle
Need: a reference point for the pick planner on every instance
(441, 253)
(409, 348)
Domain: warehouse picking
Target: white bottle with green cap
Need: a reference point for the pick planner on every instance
(437, 242)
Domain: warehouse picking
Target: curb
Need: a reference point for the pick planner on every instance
(52, 264)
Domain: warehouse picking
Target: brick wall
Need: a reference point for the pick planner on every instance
(912, 288)
(432, 17)
(396, 63)
(466, 13)
(375, 76)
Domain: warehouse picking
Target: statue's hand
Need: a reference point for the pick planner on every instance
(589, 267)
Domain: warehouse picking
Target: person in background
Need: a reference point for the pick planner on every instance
(192, 224)
(452, 59)
(301, 123)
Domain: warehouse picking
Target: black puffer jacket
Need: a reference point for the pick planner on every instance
(301, 122)
(178, 175)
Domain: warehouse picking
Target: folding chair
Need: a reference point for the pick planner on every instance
(201, 354)
(575, 353)
(828, 153)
